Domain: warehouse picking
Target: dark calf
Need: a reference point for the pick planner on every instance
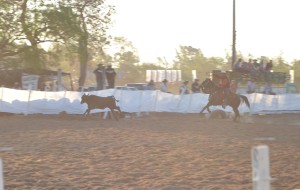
(97, 102)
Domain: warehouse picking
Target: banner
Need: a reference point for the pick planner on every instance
(30, 82)
(160, 75)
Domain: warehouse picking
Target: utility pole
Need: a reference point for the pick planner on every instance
(233, 37)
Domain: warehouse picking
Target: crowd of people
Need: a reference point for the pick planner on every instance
(183, 89)
(255, 69)
(252, 66)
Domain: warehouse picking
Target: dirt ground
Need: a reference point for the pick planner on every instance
(159, 151)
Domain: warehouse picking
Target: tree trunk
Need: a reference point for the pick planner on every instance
(83, 58)
(32, 57)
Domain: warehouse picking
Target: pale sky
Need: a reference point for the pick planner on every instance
(157, 27)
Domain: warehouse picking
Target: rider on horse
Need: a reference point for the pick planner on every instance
(224, 84)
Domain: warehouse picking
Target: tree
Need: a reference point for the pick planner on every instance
(280, 65)
(189, 58)
(19, 31)
(7, 15)
(125, 58)
(296, 68)
(93, 18)
(26, 24)
(128, 69)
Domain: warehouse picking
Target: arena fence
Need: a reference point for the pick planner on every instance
(43, 102)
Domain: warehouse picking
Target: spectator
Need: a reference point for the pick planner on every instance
(269, 66)
(255, 65)
(250, 66)
(196, 86)
(251, 85)
(164, 86)
(151, 85)
(261, 66)
(184, 88)
(268, 88)
(268, 69)
(237, 65)
(100, 76)
(110, 76)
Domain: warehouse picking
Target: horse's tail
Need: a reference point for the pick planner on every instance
(245, 100)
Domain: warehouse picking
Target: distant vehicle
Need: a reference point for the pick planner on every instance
(138, 86)
(125, 88)
(87, 88)
(291, 88)
(288, 88)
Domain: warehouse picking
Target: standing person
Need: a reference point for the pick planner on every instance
(269, 66)
(251, 85)
(250, 66)
(255, 66)
(268, 88)
(100, 76)
(151, 85)
(164, 86)
(238, 65)
(224, 85)
(184, 88)
(261, 66)
(268, 85)
(110, 76)
(196, 86)
(255, 70)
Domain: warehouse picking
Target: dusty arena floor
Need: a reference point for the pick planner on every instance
(159, 151)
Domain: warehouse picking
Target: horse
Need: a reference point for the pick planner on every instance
(216, 96)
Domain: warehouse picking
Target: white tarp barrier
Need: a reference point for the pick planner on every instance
(32, 102)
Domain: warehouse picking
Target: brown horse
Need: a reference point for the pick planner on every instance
(216, 97)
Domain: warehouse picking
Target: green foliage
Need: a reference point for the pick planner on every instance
(280, 65)
(129, 71)
(296, 68)
(25, 25)
(189, 58)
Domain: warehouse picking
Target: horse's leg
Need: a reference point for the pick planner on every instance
(87, 111)
(236, 114)
(208, 109)
(205, 107)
